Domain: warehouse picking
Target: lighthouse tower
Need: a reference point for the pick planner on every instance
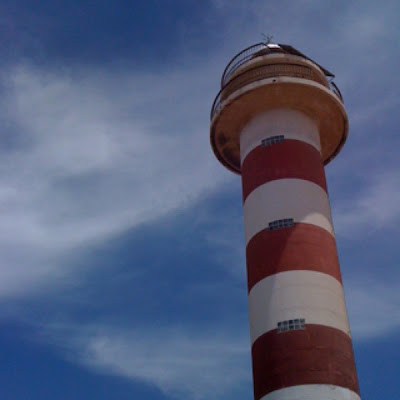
(277, 121)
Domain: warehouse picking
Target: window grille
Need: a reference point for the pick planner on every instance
(291, 325)
(280, 223)
(272, 140)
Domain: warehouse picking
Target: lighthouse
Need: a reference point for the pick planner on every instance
(277, 121)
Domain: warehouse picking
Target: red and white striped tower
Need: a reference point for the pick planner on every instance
(276, 121)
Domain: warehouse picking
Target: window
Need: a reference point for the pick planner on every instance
(272, 140)
(280, 223)
(291, 325)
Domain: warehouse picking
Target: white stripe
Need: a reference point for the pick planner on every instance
(290, 123)
(302, 200)
(312, 392)
(314, 296)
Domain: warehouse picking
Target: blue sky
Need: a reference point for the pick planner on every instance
(122, 271)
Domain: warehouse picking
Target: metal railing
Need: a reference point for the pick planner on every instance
(240, 59)
(265, 72)
(335, 89)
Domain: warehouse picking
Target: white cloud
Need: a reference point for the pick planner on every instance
(89, 154)
(179, 362)
(374, 308)
(375, 207)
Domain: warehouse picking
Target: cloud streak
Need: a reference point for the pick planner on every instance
(374, 309)
(376, 207)
(180, 362)
(88, 156)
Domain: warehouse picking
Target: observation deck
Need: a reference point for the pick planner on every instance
(263, 77)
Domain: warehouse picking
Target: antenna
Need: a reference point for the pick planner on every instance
(267, 38)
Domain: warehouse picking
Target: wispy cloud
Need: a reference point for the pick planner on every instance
(181, 363)
(374, 208)
(374, 308)
(88, 155)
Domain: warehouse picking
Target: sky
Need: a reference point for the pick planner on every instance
(122, 268)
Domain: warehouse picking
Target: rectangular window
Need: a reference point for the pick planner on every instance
(272, 140)
(291, 325)
(280, 223)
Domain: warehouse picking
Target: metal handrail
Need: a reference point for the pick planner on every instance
(230, 87)
(239, 60)
(335, 90)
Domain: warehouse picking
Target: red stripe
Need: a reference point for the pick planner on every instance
(315, 355)
(289, 159)
(302, 247)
